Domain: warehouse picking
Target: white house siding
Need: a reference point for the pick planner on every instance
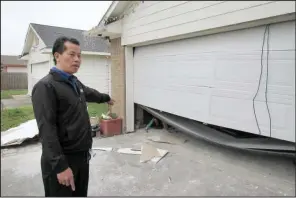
(16, 69)
(35, 55)
(164, 19)
(39, 70)
(214, 78)
(94, 72)
(36, 58)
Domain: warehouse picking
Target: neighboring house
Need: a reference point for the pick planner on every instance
(95, 66)
(202, 60)
(13, 64)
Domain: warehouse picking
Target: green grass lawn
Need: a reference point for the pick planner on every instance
(14, 117)
(96, 109)
(7, 94)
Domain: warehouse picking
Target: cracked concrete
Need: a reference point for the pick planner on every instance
(194, 168)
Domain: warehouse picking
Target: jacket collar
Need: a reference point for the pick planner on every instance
(61, 72)
(57, 76)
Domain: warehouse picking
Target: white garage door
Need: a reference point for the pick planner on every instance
(213, 79)
(38, 71)
(94, 72)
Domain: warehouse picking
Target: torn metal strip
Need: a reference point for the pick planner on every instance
(201, 131)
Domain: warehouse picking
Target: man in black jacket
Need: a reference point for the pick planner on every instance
(59, 102)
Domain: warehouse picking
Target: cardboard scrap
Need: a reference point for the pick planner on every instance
(162, 153)
(150, 153)
(147, 152)
(137, 147)
(129, 151)
(17, 135)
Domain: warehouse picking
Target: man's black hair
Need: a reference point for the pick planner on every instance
(59, 45)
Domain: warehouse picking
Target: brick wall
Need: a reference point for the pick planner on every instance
(118, 78)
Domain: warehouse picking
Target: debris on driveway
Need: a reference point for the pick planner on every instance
(193, 170)
(147, 152)
(129, 151)
(150, 153)
(167, 139)
(150, 124)
(19, 134)
(103, 148)
(156, 123)
(159, 139)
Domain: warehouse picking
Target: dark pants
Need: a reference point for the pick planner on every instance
(79, 163)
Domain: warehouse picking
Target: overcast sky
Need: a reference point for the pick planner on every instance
(17, 15)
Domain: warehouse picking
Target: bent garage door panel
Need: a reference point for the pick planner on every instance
(214, 78)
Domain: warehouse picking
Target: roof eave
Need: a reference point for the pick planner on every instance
(108, 13)
(49, 51)
(15, 65)
(24, 57)
(112, 30)
(24, 51)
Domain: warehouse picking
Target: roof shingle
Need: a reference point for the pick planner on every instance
(50, 33)
(12, 60)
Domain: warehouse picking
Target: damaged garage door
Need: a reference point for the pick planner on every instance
(214, 79)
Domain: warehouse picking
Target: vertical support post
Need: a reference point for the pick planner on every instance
(129, 84)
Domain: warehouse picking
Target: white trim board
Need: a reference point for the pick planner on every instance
(49, 51)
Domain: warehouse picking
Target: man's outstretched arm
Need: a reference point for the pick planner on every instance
(93, 95)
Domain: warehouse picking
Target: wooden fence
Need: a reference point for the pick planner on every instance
(14, 81)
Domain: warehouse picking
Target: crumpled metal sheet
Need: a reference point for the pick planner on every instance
(17, 135)
(201, 131)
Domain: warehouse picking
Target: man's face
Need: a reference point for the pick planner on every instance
(69, 61)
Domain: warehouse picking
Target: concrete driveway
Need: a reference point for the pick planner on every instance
(193, 168)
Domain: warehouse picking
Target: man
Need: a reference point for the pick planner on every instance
(59, 102)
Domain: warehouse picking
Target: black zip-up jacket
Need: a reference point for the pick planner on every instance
(62, 117)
